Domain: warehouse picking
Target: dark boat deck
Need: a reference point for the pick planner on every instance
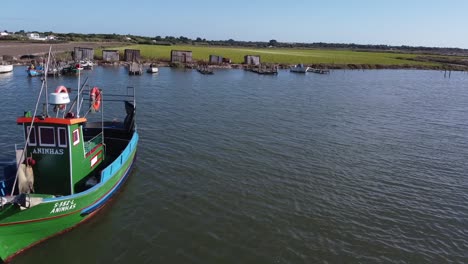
(7, 176)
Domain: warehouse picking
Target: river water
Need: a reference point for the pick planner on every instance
(350, 167)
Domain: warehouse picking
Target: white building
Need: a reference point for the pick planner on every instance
(35, 36)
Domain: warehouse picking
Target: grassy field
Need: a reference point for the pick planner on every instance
(282, 56)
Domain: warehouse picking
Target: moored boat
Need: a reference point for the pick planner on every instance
(152, 69)
(34, 70)
(69, 168)
(86, 64)
(204, 69)
(4, 68)
(319, 71)
(71, 69)
(299, 68)
(53, 71)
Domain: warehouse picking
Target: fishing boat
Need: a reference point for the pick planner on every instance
(71, 164)
(265, 69)
(152, 69)
(4, 68)
(204, 69)
(319, 71)
(86, 64)
(71, 69)
(299, 68)
(53, 71)
(34, 70)
(54, 67)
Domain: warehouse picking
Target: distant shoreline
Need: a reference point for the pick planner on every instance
(316, 66)
(16, 49)
(19, 48)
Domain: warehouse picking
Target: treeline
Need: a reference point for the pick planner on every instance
(352, 46)
(171, 40)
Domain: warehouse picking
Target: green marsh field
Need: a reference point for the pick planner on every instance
(284, 56)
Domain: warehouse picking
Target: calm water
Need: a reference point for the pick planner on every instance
(351, 167)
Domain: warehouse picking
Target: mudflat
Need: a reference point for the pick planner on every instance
(35, 48)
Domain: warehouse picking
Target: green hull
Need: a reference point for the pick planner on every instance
(22, 229)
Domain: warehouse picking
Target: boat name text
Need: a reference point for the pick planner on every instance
(63, 206)
(48, 151)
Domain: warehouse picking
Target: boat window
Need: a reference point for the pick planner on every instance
(62, 139)
(76, 136)
(47, 136)
(32, 137)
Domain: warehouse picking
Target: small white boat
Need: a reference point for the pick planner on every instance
(152, 69)
(320, 71)
(300, 68)
(86, 64)
(6, 68)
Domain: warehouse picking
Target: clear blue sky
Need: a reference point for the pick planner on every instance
(393, 22)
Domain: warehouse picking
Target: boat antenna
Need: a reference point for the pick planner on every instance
(102, 119)
(80, 90)
(46, 71)
(78, 106)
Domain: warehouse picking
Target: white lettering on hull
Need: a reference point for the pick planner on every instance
(48, 151)
(63, 206)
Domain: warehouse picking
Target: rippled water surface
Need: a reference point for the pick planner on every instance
(355, 166)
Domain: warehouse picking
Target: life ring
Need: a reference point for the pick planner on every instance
(61, 89)
(95, 99)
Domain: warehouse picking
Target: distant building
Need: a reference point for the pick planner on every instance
(252, 59)
(4, 33)
(183, 56)
(83, 54)
(34, 36)
(132, 55)
(7, 58)
(110, 55)
(215, 59)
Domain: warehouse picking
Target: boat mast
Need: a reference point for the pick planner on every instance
(27, 137)
(46, 70)
(78, 107)
(102, 119)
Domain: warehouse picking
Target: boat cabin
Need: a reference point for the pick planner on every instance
(62, 157)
